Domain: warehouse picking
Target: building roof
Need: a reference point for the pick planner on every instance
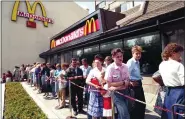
(151, 9)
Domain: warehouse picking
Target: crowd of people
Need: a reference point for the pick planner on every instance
(104, 81)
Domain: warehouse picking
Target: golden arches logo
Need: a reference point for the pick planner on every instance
(90, 24)
(53, 44)
(31, 10)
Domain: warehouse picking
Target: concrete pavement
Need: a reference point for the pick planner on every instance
(48, 105)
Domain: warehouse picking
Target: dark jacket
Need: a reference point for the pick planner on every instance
(72, 72)
(46, 71)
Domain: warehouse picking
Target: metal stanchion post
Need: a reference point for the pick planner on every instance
(113, 108)
(173, 108)
(70, 106)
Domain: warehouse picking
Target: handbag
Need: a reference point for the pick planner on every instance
(95, 81)
(156, 74)
(157, 78)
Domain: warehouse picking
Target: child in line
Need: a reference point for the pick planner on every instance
(107, 106)
(62, 90)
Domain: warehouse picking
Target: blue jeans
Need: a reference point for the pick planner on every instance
(43, 78)
(121, 104)
(174, 96)
(56, 86)
(53, 89)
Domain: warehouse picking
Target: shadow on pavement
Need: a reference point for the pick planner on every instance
(150, 116)
(147, 111)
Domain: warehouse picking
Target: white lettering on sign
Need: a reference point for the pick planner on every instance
(71, 36)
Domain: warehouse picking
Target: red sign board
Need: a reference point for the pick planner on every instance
(91, 26)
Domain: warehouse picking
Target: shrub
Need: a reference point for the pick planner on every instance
(19, 105)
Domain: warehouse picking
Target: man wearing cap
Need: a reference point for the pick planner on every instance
(75, 74)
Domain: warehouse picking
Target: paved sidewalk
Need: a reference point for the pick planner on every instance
(48, 106)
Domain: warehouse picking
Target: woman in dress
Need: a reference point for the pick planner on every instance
(94, 80)
(172, 73)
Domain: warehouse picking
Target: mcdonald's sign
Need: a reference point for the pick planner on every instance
(31, 14)
(90, 26)
(52, 44)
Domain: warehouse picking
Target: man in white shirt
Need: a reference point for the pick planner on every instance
(85, 69)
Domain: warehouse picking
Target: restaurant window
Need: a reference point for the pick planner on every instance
(90, 52)
(48, 60)
(107, 47)
(67, 57)
(126, 6)
(177, 36)
(151, 55)
(91, 49)
(77, 53)
(55, 59)
(59, 58)
(52, 60)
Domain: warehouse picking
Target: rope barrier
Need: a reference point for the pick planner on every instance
(134, 99)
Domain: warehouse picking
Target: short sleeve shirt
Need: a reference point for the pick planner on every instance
(116, 73)
(95, 73)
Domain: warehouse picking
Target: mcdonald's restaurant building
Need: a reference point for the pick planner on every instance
(104, 30)
(158, 24)
(28, 26)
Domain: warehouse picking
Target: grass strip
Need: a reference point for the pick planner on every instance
(19, 105)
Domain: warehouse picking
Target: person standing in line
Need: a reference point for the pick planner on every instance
(22, 72)
(27, 72)
(52, 80)
(86, 69)
(163, 89)
(16, 73)
(117, 77)
(78, 63)
(45, 73)
(94, 80)
(172, 73)
(56, 75)
(62, 86)
(9, 76)
(138, 112)
(75, 74)
(107, 102)
(108, 61)
(37, 75)
(4, 78)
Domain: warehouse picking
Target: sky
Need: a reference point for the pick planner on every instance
(89, 5)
